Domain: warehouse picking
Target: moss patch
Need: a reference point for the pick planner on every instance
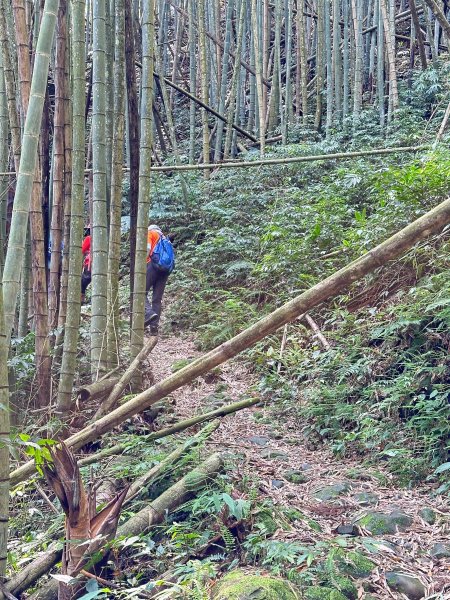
(346, 586)
(240, 586)
(355, 564)
(323, 593)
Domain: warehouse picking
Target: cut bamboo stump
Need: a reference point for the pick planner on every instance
(153, 514)
(98, 389)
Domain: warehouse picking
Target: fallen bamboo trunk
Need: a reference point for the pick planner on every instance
(289, 160)
(97, 389)
(29, 574)
(430, 223)
(180, 426)
(170, 459)
(276, 161)
(113, 397)
(149, 516)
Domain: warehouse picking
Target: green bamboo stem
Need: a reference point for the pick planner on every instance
(58, 168)
(4, 443)
(140, 265)
(99, 250)
(69, 359)
(204, 84)
(232, 108)
(116, 186)
(291, 159)
(19, 222)
(4, 141)
(9, 75)
(141, 483)
(281, 161)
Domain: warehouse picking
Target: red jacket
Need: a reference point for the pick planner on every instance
(86, 251)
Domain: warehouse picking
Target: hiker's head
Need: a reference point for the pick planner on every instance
(154, 228)
(87, 230)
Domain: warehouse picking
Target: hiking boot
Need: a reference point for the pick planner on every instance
(150, 317)
(153, 330)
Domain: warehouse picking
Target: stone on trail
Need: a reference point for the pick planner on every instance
(412, 587)
(331, 492)
(428, 515)
(259, 440)
(241, 586)
(347, 529)
(366, 498)
(354, 564)
(277, 484)
(378, 523)
(295, 476)
(440, 550)
(274, 455)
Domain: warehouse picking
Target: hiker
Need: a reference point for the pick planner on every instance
(160, 263)
(86, 273)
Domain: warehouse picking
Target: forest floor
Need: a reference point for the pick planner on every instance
(329, 492)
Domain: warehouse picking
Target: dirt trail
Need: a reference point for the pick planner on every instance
(289, 472)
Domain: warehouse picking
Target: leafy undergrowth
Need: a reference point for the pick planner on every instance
(382, 389)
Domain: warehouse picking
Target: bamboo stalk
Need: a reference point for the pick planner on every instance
(440, 16)
(28, 160)
(180, 426)
(137, 486)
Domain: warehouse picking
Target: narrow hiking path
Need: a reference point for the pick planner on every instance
(404, 531)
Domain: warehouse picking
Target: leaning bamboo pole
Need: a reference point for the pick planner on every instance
(430, 223)
(222, 411)
(439, 15)
(207, 107)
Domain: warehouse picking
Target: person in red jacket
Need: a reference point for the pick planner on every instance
(86, 273)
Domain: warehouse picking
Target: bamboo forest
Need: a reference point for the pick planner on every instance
(225, 299)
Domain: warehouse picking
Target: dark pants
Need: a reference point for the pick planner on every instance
(85, 280)
(155, 281)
